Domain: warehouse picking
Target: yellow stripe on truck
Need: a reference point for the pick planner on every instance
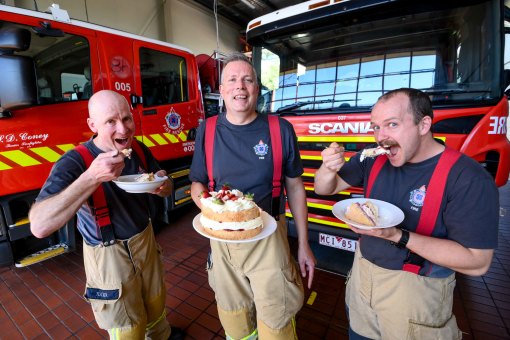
(312, 158)
(333, 224)
(159, 139)
(183, 136)
(319, 206)
(23, 158)
(171, 138)
(65, 147)
(319, 221)
(20, 158)
(340, 139)
(42, 255)
(4, 166)
(345, 139)
(145, 140)
(46, 153)
(180, 173)
(318, 158)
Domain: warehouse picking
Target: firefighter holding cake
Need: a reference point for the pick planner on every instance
(257, 284)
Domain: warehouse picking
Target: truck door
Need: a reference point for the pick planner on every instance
(34, 137)
(166, 110)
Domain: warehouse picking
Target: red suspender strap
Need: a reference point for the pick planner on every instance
(376, 168)
(100, 207)
(433, 199)
(435, 191)
(277, 150)
(276, 147)
(435, 188)
(210, 130)
(141, 155)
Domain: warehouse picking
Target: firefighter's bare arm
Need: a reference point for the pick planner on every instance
(297, 202)
(446, 253)
(196, 189)
(327, 181)
(52, 213)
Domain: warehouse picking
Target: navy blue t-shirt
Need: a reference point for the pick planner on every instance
(469, 212)
(243, 157)
(129, 212)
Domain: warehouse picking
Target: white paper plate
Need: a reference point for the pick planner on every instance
(389, 214)
(268, 222)
(129, 184)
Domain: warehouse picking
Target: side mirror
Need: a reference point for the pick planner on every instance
(18, 87)
(14, 40)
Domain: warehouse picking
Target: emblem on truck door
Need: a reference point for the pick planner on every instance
(173, 122)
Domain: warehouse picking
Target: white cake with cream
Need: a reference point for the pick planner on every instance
(229, 214)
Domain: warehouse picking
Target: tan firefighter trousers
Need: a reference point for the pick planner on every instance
(126, 288)
(257, 285)
(395, 304)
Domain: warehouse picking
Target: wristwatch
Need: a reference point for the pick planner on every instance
(402, 243)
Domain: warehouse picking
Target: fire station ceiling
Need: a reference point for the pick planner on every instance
(242, 11)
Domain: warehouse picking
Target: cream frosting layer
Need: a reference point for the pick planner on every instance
(239, 204)
(252, 224)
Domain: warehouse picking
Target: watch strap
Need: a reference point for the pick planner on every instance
(402, 243)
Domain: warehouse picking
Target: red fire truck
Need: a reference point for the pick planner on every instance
(324, 63)
(50, 65)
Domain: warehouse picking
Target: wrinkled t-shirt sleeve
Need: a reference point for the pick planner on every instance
(471, 214)
(353, 171)
(64, 172)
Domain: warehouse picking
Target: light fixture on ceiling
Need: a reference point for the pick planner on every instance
(248, 3)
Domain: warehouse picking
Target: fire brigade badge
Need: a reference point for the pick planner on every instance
(418, 196)
(261, 149)
(173, 122)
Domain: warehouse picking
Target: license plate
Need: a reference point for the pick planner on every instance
(338, 242)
